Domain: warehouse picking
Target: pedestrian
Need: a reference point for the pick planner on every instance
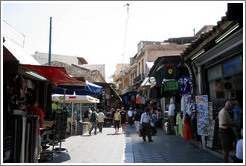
(238, 158)
(238, 117)
(123, 119)
(130, 114)
(101, 117)
(86, 115)
(145, 125)
(94, 120)
(159, 118)
(137, 118)
(116, 120)
(225, 132)
(171, 115)
(34, 110)
(187, 128)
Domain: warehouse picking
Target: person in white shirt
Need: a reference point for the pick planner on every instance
(101, 117)
(130, 115)
(171, 115)
(145, 123)
(225, 132)
(238, 158)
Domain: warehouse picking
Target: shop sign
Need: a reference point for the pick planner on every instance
(233, 66)
(202, 115)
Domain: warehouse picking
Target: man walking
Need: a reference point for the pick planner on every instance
(93, 119)
(145, 122)
(130, 116)
(101, 117)
(225, 131)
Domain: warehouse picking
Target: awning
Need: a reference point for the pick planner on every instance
(161, 61)
(74, 99)
(88, 89)
(148, 81)
(54, 74)
(18, 53)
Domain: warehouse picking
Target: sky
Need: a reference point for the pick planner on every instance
(103, 32)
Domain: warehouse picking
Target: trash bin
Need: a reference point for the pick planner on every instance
(79, 128)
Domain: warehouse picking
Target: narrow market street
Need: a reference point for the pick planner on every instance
(107, 147)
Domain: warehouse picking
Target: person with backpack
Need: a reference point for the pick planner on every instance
(93, 119)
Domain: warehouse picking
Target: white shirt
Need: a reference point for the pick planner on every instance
(145, 118)
(239, 149)
(101, 117)
(130, 113)
(171, 110)
(224, 118)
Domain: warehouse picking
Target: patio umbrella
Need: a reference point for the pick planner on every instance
(90, 89)
(74, 99)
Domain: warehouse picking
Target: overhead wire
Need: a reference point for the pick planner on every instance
(124, 44)
(86, 18)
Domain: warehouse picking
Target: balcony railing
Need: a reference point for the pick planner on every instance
(138, 79)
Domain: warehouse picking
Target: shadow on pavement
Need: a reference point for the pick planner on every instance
(58, 157)
(116, 134)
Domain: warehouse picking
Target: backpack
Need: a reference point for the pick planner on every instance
(93, 117)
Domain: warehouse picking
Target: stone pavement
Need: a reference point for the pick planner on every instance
(108, 147)
(168, 149)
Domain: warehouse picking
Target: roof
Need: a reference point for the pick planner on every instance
(207, 40)
(159, 61)
(18, 53)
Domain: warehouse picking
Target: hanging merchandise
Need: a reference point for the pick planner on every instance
(185, 85)
(170, 71)
(202, 114)
(143, 101)
(138, 99)
(179, 123)
(126, 99)
(169, 88)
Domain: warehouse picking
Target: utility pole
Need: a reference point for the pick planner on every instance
(49, 61)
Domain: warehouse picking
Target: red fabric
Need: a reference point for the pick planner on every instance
(138, 100)
(57, 75)
(32, 110)
(187, 130)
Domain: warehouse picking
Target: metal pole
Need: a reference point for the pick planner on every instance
(72, 120)
(49, 62)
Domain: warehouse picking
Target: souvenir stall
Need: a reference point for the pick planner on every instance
(19, 130)
(74, 99)
(21, 83)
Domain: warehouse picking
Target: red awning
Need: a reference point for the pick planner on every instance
(54, 74)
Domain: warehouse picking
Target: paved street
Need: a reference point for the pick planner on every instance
(107, 147)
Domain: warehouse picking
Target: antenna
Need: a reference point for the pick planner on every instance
(124, 45)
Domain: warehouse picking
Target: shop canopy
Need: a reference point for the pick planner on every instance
(17, 53)
(88, 89)
(54, 74)
(74, 99)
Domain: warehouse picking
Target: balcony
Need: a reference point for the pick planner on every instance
(138, 79)
(127, 89)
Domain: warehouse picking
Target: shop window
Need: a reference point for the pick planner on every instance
(220, 94)
(214, 73)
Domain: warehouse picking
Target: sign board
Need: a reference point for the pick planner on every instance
(202, 115)
(233, 66)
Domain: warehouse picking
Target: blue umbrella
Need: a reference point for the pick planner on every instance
(89, 89)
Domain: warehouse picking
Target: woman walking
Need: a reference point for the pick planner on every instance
(116, 120)
(124, 119)
(137, 118)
